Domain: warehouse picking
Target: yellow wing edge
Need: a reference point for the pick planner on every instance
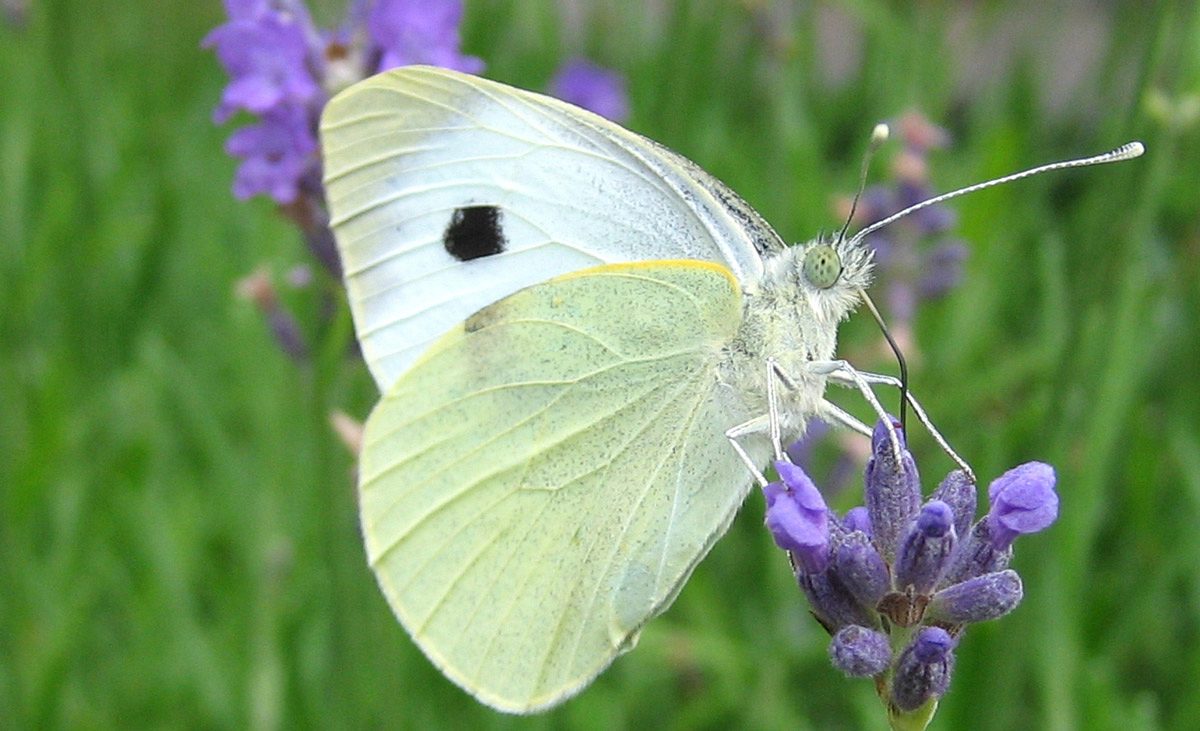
(617, 268)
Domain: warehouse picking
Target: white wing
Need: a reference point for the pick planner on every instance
(449, 192)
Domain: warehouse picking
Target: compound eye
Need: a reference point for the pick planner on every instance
(822, 266)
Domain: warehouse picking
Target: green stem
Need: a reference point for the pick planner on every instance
(915, 720)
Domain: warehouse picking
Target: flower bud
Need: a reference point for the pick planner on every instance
(893, 492)
(857, 519)
(959, 492)
(798, 518)
(976, 600)
(926, 548)
(859, 651)
(860, 568)
(832, 602)
(923, 670)
(975, 556)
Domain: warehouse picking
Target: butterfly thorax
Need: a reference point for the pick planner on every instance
(788, 319)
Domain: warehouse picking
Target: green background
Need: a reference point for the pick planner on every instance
(178, 538)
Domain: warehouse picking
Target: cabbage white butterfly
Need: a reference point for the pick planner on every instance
(583, 341)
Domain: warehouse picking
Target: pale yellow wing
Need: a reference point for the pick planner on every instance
(544, 479)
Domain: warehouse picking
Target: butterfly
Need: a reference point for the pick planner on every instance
(586, 347)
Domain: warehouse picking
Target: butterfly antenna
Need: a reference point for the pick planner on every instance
(879, 135)
(1128, 151)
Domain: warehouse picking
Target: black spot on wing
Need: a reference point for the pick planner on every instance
(474, 231)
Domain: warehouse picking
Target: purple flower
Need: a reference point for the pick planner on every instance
(1023, 501)
(275, 154)
(893, 493)
(940, 574)
(266, 53)
(926, 548)
(859, 651)
(976, 555)
(282, 68)
(958, 491)
(857, 519)
(592, 87)
(832, 603)
(861, 569)
(976, 600)
(798, 518)
(419, 31)
(923, 669)
(246, 9)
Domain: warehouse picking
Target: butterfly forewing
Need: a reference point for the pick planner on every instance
(542, 481)
(449, 192)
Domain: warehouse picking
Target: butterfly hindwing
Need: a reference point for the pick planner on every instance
(449, 192)
(542, 481)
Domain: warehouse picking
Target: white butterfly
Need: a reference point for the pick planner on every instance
(583, 341)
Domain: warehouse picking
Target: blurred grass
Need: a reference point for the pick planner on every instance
(178, 540)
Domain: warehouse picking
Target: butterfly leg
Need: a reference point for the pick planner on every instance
(733, 434)
(922, 416)
(834, 414)
(770, 422)
(844, 374)
(775, 376)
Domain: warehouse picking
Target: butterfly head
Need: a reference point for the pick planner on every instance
(830, 273)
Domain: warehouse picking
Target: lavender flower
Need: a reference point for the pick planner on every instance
(419, 31)
(893, 493)
(926, 548)
(923, 670)
(832, 603)
(592, 87)
(1023, 501)
(266, 53)
(860, 652)
(896, 615)
(284, 69)
(267, 49)
(857, 519)
(861, 569)
(275, 153)
(977, 600)
(958, 491)
(797, 517)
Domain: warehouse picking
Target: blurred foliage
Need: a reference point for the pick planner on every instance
(178, 538)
